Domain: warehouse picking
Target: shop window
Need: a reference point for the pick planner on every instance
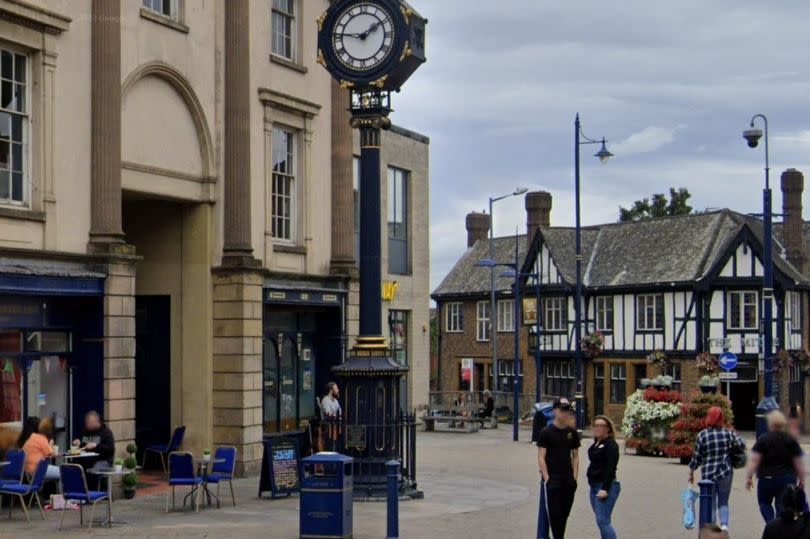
(47, 341)
(10, 391)
(559, 380)
(674, 370)
(618, 383)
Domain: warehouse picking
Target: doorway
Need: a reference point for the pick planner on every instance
(153, 368)
(744, 397)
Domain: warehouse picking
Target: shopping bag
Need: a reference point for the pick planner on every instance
(688, 497)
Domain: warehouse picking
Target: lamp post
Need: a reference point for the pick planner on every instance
(603, 154)
(768, 403)
(492, 307)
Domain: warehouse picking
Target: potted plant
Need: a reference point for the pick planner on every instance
(709, 384)
(206, 454)
(658, 358)
(707, 363)
(118, 465)
(130, 481)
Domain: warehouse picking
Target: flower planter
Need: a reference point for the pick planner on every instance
(129, 493)
(118, 468)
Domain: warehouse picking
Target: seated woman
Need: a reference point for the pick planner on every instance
(36, 447)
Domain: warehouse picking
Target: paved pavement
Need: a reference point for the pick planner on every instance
(476, 485)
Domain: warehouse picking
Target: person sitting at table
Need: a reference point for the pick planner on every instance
(36, 447)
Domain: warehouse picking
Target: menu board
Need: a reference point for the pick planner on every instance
(280, 465)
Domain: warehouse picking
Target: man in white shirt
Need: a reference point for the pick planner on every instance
(329, 404)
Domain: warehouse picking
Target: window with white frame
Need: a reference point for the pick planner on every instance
(604, 313)
(650, 312)
(795, 306)
(14, 119)
(283, 197)
(556, 314)
(398, 221)
(618, 383)
(167, 8)
(454, 318)
(482, 321)
(283, 29)
(743, 310)
(506, 315)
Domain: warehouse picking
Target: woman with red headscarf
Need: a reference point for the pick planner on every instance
(712, 456)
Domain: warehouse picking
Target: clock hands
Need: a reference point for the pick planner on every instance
(364, 35)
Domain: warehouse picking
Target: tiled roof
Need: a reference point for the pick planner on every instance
(667, 250)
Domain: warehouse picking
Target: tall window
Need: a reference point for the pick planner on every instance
(455, 318)
(742, 310)
(356, 198)
(556, 315)
(559, 378)
(283, 199)
(650, 312)
(618, 383)
(283, 29)
(13, 127)
(482, 321)
(604, 313)
(164, 7)
(506, 315)
(397, 221)
(795, 311)
(674, 370)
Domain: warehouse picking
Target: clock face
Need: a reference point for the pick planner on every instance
(363, 36)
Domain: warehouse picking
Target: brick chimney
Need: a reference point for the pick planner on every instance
(477, 227)
(538, 212)
(793, 223)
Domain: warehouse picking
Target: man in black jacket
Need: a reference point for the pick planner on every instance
(96, 438)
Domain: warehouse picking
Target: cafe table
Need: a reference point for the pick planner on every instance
(202, 470)
(108, 474)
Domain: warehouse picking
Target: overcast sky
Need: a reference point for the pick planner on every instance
(671, 85)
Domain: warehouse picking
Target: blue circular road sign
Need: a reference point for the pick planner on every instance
(728, 360)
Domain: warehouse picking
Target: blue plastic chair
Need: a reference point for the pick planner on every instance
(74, 487)
(13, 472)
(223, 471)
(20, 490)
(164, 449)
(181, 474)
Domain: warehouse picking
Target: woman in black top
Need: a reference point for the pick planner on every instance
(793, 522)
(604, 458)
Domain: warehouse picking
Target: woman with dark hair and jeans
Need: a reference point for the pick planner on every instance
(776, 459)
(604, 459)
(711, 455)
(793, 522)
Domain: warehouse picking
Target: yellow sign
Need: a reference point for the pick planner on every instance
(529, 311)
(389, 290)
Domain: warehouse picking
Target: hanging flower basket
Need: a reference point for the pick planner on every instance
(707, 363)
(593, 344)
(658, 358)
(802, 359)
(782, 360)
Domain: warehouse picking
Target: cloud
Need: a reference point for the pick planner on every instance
(647, 140)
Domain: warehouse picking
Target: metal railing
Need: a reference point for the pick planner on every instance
(503, 399)
(371, 446)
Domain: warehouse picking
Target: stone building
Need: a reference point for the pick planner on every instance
(176, 218)
(681, 285)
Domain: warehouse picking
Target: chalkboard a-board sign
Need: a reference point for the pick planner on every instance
(280, 466)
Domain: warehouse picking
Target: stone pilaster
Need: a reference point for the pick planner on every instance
(237, 379)
(237, 249)
(343, 256)
(119, 351)
(105, 158)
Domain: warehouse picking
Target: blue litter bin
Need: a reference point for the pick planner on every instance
(326, 496)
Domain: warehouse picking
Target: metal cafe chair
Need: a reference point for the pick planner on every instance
(225, 470)
(21, 490)
(74, 487)
(164, 449)
(181, 473)
(13, 472)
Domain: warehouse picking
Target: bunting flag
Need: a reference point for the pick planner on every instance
(8, 368)
(62, 364)
(48, 362)
(24, 363)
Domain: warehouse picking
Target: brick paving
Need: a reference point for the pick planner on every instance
(476, 485)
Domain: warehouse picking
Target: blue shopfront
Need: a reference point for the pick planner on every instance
(51, 349)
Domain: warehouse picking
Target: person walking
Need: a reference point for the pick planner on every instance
(776, 460)
(793, 521)
(712, 456)
(604, 459)
(558, 460)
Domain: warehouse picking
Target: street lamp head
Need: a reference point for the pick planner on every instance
(603, 154)
(520, 191)
(486, 263)
(752, 136)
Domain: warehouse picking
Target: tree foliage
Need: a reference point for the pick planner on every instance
(659, 206)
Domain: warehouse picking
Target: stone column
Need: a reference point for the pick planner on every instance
(105, 159)
(237, 242)
(237, 383)
(119, 351)
(342, 179)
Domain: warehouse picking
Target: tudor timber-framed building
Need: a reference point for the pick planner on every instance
(681, 284)
(177, 220)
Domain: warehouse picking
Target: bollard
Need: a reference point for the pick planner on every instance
(393, 499)
(706, 507)
(542, 514)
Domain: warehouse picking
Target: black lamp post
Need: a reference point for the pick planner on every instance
(768, 403)
(603, 154)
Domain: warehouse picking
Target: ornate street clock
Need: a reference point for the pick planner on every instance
(371, 43)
